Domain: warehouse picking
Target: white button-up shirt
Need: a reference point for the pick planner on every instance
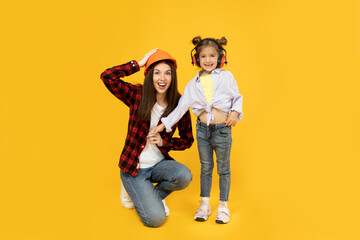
(226, 98)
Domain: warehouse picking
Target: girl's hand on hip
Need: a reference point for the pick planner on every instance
(156, 139)
(143, 61)
(232, 119)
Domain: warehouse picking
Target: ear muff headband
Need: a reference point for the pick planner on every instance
(221, 59)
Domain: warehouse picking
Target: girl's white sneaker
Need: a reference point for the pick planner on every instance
(203, 212)
(223, 214)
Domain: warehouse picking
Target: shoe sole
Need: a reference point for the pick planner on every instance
(200, 219)
(220, 222)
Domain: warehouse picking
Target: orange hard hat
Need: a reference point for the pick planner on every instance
(158, 56)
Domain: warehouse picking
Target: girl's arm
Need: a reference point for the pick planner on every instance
(185, 132)
(124, 91)
(183, 106)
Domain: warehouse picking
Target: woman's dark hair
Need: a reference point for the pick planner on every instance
(148, 97)
(201, 44)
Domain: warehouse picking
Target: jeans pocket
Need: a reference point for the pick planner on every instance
(224, 132)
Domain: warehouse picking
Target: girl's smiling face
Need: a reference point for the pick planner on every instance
(162, 77)
(208, 58)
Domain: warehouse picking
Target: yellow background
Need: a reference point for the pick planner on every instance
(295, 155)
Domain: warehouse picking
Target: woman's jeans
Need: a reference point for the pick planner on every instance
(209, 138)
(169, 175)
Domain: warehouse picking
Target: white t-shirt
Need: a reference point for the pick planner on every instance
(151, 154)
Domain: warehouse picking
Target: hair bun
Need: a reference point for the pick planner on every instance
(222, 41)
(196, 40)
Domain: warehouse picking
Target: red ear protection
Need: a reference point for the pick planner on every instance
(196, 61)
(221, 60)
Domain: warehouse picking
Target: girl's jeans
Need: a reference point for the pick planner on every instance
(169, 176)
(209, 138)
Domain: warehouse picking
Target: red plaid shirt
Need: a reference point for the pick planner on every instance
(137, 129)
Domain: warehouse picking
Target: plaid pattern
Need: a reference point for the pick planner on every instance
(137, 130)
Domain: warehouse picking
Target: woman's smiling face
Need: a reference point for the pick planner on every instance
(162, 77)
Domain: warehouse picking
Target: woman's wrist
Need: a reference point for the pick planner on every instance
(141, 63)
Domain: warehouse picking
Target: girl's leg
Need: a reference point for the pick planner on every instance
(146, 198)
(222, 142)
(203, 133)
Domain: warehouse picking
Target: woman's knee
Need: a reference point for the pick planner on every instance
(187, 177)
(154, 219)
(184, 178)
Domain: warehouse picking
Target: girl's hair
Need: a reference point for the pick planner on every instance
(201, 44)
(148, 97)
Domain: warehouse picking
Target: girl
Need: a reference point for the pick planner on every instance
(145, 161)
(213, 94)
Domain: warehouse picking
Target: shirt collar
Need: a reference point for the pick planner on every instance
(215, 71)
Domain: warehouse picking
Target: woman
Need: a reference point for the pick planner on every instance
(145, 161)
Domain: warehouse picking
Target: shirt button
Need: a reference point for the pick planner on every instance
(142, 146)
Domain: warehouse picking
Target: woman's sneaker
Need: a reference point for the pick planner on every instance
(125, 198)
(167, 210)
(223, 214)
(203, 212)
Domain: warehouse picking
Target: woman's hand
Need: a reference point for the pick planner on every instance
(155, 139)
(143, 61)
(232, 119)
(156, 129)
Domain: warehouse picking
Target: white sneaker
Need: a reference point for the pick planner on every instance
(203, 212)
(223, 214)
(125, 198)
(167, 210)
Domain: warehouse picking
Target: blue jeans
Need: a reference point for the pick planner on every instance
(209, 138)
(169, 175)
